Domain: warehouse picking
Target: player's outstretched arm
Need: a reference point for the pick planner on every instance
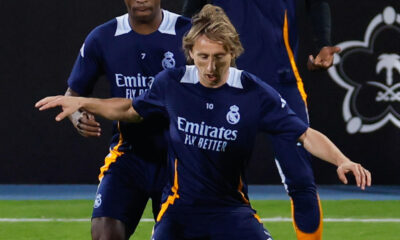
(320, 146)
(112, 108)
(84, 122)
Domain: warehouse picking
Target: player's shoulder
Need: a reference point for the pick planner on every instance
(183, 24)
(253, 82)
(110, 28)
(172, 75)
(174, 24)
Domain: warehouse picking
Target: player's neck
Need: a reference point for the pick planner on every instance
(146, 27)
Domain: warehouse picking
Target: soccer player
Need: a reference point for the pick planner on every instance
(215, 112)
(130, 50)
(268, 32)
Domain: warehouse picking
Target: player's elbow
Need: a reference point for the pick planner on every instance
(130, 115)
(303, 136)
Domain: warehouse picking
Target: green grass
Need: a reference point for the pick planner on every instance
(266, 209)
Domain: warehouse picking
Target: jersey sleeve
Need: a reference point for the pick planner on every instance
(276, 116)
(153, 101)
(87, 67)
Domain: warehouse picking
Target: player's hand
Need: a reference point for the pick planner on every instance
(68, 104)
(362, 175)
(324, 59)
(86, 124)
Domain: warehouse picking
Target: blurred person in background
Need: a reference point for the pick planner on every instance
(268, 31)
(130, 50)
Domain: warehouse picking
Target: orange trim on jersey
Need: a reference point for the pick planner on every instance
(317, 235)
(257, 217)
(171, 198)
(240, 188)
(300, 84)
(112, 156)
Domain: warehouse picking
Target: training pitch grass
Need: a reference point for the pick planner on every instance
(62, 219)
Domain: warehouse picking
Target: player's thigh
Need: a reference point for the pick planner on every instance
(238, 226)
(291, 93)
(167, 229)
(156, 179)
(118, 198)
(293, 162)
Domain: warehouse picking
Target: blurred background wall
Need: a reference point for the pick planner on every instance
(39, 41)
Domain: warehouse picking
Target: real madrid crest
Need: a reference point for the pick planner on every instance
(97, 201)
(233, 116)
(168, 61)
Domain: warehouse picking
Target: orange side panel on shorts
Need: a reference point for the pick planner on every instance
(240, 188)
(111, 157)
(317, 235)
(170, 199)
(300, 84)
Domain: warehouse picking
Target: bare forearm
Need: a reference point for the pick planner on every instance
(112, 108)
(320, 146)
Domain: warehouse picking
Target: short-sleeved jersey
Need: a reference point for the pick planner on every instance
(130, 61)
(265, 51)
(212, 132)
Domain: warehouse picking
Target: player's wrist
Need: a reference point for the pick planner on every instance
(342, 160)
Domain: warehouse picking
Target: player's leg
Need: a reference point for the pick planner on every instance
(156, 203)
(298, 178)
(237, 226)
(294, 165)
(157, 179)
(120, 202)
(108, 228)
(167, 229)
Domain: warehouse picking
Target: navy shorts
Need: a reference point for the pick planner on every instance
(126, 187)
(210, 226)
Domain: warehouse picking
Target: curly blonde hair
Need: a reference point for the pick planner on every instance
(212, 22)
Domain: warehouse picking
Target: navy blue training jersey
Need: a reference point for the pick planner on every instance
(212, 131)
(130, 61)
(266, 54)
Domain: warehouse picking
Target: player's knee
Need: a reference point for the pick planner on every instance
(105, 228)
(306, 208)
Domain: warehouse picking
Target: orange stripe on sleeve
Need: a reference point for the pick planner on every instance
(300, 84)
(257, 217)
(171, 198)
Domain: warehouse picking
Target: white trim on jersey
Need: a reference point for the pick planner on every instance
(123, 26)
(168, 23)
(190, 75)
(234, 79)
